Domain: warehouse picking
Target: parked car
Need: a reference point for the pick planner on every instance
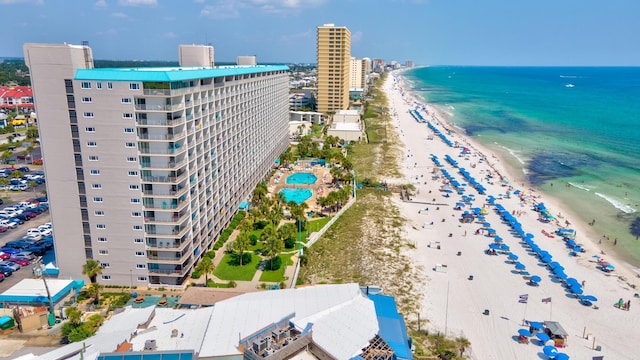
(17, 244)
(19, 261)
(16, 220)
(30, 213)
(9, 250)
(1, 277)
(8, 223)
(13, 209)
(6, 271)
(34, 232)
(10, 265)
(4, 256)
(25, 254)
(3, 229)
(44, 231)
(23, 217)
(24, 169)
(36, 249)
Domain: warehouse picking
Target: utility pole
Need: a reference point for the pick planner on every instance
(39, 271)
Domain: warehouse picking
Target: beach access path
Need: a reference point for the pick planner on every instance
(454, 304)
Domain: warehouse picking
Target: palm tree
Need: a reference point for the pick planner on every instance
(74, 315)
(280, 198)
(92, 269)
(30, 150)
(247, 224)
(16, 174)
(205, 267)
(260, 192)
(5, 182)
(32, 185)
(93, 291)
(272, 248)
(10, 139)
(269, 232)
(6, 155)
(462, 343)
(241, 244)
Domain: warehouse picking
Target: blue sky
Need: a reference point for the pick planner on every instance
(430, 32)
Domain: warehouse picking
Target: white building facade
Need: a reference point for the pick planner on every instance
(146, 167)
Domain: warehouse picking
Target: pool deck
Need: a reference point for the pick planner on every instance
(321, 187)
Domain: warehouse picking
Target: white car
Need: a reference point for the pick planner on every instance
(34, 232)
(44, 231)
(47, 225)
(8, 224)
(12, 209)
(26, 205)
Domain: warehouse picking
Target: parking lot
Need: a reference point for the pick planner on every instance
(12, 198)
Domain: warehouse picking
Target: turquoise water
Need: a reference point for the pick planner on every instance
(555, 125)
(296, 195)
(301, 178)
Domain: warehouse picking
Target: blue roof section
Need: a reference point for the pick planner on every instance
(169, 74)
(392, 327)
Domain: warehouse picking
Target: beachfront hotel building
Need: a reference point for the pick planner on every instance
(358, 72)
(334, 65)
(146, 167)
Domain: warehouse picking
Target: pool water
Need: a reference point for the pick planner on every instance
(296, 195)
(301, 178)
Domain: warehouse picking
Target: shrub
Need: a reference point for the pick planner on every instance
(259, 225)
(290, 243)
(303, 260)
(195, 275)
(232, 284)
(282, 285)
(246, 259)
(210, 254)
(253, 239)
(273, 263)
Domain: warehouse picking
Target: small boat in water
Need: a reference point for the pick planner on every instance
(570, 85)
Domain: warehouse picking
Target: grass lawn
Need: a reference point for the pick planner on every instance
(312, 226)
(277, 275)
(227, 271)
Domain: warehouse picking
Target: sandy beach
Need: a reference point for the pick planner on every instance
(456, 296)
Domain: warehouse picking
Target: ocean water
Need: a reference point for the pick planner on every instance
(572, 132)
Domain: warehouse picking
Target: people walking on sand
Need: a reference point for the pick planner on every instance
(628, 305)
(615, 241)
(620, 303)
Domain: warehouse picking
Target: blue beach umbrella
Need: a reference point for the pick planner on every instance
(504, 247)
(536, 325)
(536, 279)
(448, 191)
(554, 264)
(520, 266)
(524, 332)
(572, 281)
(497, 238)
(494, 246)
(492, 230)
(546, 259)
(590, 298)
(513, 256)
(576, 290)
(611, 267)
(548, 350)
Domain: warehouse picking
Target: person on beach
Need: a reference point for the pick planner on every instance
(628, 305)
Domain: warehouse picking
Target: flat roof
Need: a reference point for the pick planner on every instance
(196, 295)
(339, 126)
(168, 74)
(33, 290)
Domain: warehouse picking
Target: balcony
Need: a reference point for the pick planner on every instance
(159, 107)
(162, 137)
(178, 231)
(168, 256)
(163, 193)
(167, 243)
(162, 165)
(161, 122)
(167, 151)
(164, 179)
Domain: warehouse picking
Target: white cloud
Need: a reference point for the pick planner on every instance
(119, 15)
(233, 8)
(138, 2)
(101, 3)
(356, 36)
(170, 35)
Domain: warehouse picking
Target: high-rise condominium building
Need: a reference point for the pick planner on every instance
(145, 167)
(358, 78)
(334, 64)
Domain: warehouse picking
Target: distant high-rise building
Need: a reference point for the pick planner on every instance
(146, 167)
(378, 65)
(358, 78)
(409, 63)
(368, 67)
(334, 64)
(246, 61)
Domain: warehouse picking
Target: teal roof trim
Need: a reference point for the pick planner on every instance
(172, 73)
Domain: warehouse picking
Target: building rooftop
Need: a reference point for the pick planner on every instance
(340, 126)
(168, 74)
(203, 296)
(33, 290)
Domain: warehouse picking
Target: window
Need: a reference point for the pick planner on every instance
(133, 173)
(97, 199)
(106, 277)
(92, 144)
(135, 201)
(96, 186)
(134, 86)
(90, 129)
(128, 130)
(139, 253)
(134, 187)
(99, 85)
(105, 265)
(86, 85)
(88, 114)
(138, 240)
(141, 266)
(142, 278)
(101, 226)
(86, 99)
(95, 172)
(102, 239)
(103, 252)
(126, 100)
(136, 214)
(93, 157)
(137, 227)
(109, 85)
(99, 213)
(127, 116)
(130, 145)
(132, 159)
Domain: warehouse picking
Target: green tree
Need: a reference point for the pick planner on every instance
(286, 158)
(5, 183)
(205, 267)
(16, 174)
(92, 269)
(30, 150)
(6, 155)
(32, 185)
(241, 244)
(93, 291)
(272, 248)
(287, 231)
(260, 192)
(32, 132)
(269, 232)
(10, 139)
(74, 315)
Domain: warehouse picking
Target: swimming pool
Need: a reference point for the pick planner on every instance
(296, 195)
(301, 178)
(153, 300)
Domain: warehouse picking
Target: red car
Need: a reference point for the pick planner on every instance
(4, 256)
(3, 229)
(21, 262)
(1, 277)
